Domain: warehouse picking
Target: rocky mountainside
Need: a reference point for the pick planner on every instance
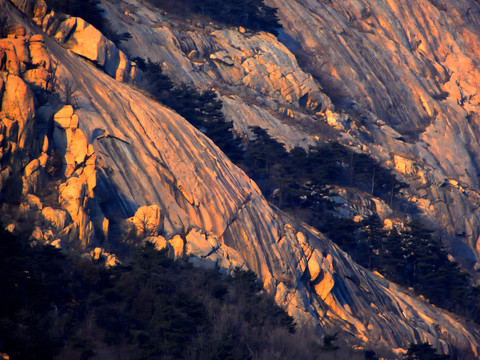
(410, 70)
(118, 163)
(402, 78)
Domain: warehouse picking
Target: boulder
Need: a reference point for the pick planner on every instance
(58, 218)
(44, 144)
(63, 117)
(39, 57)
(37, 38)
(65, 29)
(16, 31)
(158, 241)
(324, 287)
(18, 105)
(148, 221)
(315, 265)
(97, 253)
(34, 202)
(177, 244)
(88, 42)
(57, 243)
(72, 197)
(72, 194)
(10, 228)
(10, 59)
(39, 11)
(38, 77)
(32, 167)
(111, 260)
(197, 244)
(22, 52)
(9, 128)
(77, 145)
(122, 71)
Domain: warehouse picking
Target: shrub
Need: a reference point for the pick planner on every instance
(90, 11)
(251, 14)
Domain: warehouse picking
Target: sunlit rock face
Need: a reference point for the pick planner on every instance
(411, 65)
(258, 79)
(82, 38)
(157, 173)
(402, 77)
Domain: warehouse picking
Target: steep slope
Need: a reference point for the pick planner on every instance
(258, 79)
(411, 65)
(209, 209)
(401, 75)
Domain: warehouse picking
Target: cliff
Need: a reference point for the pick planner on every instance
(123, 155)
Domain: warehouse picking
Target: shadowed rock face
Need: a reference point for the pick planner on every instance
(401, 75)
(412, 65)
(211, 210)
(204, 206)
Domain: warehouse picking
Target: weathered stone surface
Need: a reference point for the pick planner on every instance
(65, 29)
(39, 11)
(10, 59)
(88, 42)
(197, 244)
(18, 105)
(148, 221)
(256, 65)
(63, 116)
(32, 177)
(159, 241)
(111, 260)
(39, 77)
(152, 156)
(31, 204)
(177, 244)
(58, 218)
(315, 265)
(81, 37)
(85, 40)
(97, 253)
(72, 197)
(77, 145)
(57, 244)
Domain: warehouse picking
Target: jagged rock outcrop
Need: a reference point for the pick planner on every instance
(27, 152)
(82, 38)
(408, 68)
(147, 155)
(264, 77)
(403, 87)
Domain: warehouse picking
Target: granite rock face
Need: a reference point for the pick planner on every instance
(81, 38)
(257, 77)
(409, 69)
(133, 158)
(402, 78)
(28, 155)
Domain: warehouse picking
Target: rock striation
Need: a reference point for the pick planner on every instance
(408, 68)
(29, 152)
(258, 79)
(123, 156)
(401, 78)
(81, 38)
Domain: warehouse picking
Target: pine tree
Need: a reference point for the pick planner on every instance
(423, 351)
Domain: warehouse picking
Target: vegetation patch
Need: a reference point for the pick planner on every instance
(251, 14)
(54, 306)
(91, 12)
(299, 181)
